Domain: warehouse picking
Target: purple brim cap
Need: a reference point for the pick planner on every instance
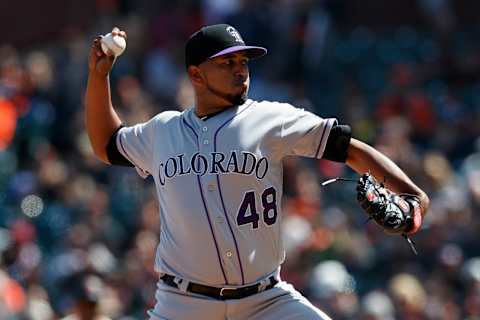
(252, 51)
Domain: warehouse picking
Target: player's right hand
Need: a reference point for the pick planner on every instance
(98, 62)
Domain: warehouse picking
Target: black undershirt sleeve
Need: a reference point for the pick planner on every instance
(337, 143)
(114, 156)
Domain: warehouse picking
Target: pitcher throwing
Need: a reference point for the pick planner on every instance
(217, 169)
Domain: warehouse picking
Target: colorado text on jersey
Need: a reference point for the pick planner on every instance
(245, 163)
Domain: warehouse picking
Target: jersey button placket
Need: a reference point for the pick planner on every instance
(205, 140)
(206, 146)
(221, 226)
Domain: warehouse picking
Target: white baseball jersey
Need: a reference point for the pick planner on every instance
(219, 185)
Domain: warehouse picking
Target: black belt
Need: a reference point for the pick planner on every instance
(221, 293)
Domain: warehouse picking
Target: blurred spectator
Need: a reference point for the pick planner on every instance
(377, 305)
(84, 294)
(8, 119)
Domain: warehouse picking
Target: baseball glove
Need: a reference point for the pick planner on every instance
(395, 213)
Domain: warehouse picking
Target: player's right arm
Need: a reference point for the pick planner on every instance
(101, 120)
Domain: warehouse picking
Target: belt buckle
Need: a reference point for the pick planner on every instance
(222, 290)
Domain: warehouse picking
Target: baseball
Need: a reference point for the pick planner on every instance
(113, 45)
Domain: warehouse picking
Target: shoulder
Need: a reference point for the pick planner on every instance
(161, 119)
(274, 108)
(269, 115)
(273, 105)
(167, 116)
(276, 111)
(157, 122)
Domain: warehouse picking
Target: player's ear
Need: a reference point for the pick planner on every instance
(195, 75)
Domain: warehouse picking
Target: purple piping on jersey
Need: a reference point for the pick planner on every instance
(321, 139)
(221, 196)
(191, 128)
(206, 210)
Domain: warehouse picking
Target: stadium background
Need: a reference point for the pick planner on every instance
(404, 74)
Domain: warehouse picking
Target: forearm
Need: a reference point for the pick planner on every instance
(101, 120)
(364, 158)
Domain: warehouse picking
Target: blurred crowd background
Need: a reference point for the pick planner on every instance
(79, 237)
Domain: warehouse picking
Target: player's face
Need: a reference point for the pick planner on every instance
(227, 76)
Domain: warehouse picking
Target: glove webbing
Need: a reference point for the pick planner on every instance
(409, 240)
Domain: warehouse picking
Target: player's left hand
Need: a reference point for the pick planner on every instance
(396, 214)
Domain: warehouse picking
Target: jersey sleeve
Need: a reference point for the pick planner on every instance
(136, 144)
(304, 133)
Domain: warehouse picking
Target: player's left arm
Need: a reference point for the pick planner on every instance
(305, 134)
(362, 158)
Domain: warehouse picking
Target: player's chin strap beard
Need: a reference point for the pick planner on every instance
(233, 99)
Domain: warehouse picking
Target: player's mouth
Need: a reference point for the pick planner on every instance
(242, 84)
(243, 88)
(239, 80)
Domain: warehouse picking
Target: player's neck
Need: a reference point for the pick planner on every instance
(205, 107)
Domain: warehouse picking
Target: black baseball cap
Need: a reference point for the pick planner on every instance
(216, 40)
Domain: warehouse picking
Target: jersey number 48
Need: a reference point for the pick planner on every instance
(248, 209)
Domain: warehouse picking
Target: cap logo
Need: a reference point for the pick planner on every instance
(234, 33)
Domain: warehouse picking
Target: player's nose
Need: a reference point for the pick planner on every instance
(240, 71)
(239, 64)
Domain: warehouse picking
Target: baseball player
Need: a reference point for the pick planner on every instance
(217, 169)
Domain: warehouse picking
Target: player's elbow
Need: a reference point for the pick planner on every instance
(98, 142)
(102, 156)
(100, 151)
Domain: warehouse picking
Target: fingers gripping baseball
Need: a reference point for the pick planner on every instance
(99, 61)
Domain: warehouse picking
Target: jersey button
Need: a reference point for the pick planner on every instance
(211, 186)
(205, 142)
(229, 254)
(204, 129)
(219, 220)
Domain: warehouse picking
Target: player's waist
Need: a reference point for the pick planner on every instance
(199, 265)
(220, 293)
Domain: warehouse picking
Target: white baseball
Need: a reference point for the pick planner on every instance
(113, 45)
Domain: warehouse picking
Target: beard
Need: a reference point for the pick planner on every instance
(234, 99)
